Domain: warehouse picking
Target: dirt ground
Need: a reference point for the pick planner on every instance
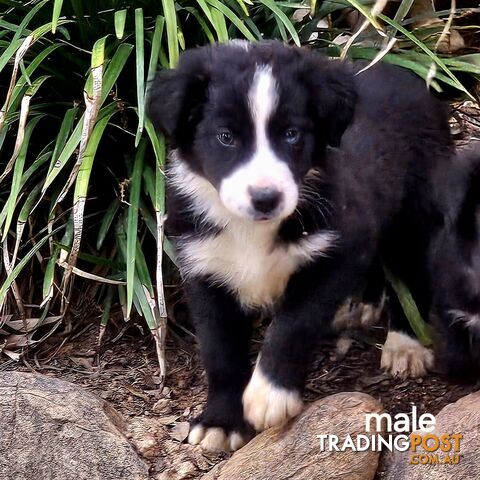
(124, 372)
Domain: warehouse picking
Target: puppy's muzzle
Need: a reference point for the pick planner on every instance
(265, 201)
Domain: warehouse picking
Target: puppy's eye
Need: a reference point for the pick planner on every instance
(292, 136)
(226, 138)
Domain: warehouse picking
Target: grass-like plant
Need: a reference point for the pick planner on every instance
(82, 185)
(82, 169)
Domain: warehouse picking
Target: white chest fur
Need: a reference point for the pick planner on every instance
(244, 256)
(246, 260)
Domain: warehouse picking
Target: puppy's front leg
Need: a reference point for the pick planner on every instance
(274, 393)
(223, 331)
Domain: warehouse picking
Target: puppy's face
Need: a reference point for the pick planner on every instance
(253, 119)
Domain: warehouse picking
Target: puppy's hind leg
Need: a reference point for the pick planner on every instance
(402, 354)
(457, 345)
(360, 313)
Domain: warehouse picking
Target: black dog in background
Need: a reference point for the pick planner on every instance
(455, 267)
(290, 178)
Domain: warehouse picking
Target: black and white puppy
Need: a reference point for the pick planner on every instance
(455, 268)
(289, 178)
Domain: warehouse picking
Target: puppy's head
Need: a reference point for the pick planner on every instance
(253, 119)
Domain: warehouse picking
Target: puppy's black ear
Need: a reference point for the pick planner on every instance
(176, 97)
(334, 96)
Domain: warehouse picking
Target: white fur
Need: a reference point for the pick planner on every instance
(203, 195)
(404, 356)
(354, 314)
(238, 42)
(264, 169)
(471, 320)
(243, 256)
(342, 346)
(265, 405)
(215, 439)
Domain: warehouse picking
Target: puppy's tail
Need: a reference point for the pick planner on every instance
(468, 218)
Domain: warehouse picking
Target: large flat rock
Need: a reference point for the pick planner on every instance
(293, 452)
(52, 429)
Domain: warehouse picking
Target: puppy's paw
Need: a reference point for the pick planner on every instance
(354, 314)
(371, 314)
(267, 405)
(215, 439)
(404, 356)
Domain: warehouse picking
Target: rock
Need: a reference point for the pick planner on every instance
(155, 438)
(461, 417)
(147, 435)
(53, 429)
(182, 471)
(293, 451)
(159, 443)
(162, 406)
(180, 431)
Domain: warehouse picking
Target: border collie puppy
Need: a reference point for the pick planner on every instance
(455, 268)
(289, 178)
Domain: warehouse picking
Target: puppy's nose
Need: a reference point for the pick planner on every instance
(265, 200)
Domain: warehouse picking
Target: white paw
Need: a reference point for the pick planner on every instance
(215, 439)
(404, 356)
(266, 405)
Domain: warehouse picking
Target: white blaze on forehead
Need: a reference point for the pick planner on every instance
(264, 169)
(262, 100)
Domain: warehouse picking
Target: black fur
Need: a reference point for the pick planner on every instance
(311, 90)
(455, 267)
(374, 142)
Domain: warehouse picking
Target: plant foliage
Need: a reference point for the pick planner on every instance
(82, 195)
